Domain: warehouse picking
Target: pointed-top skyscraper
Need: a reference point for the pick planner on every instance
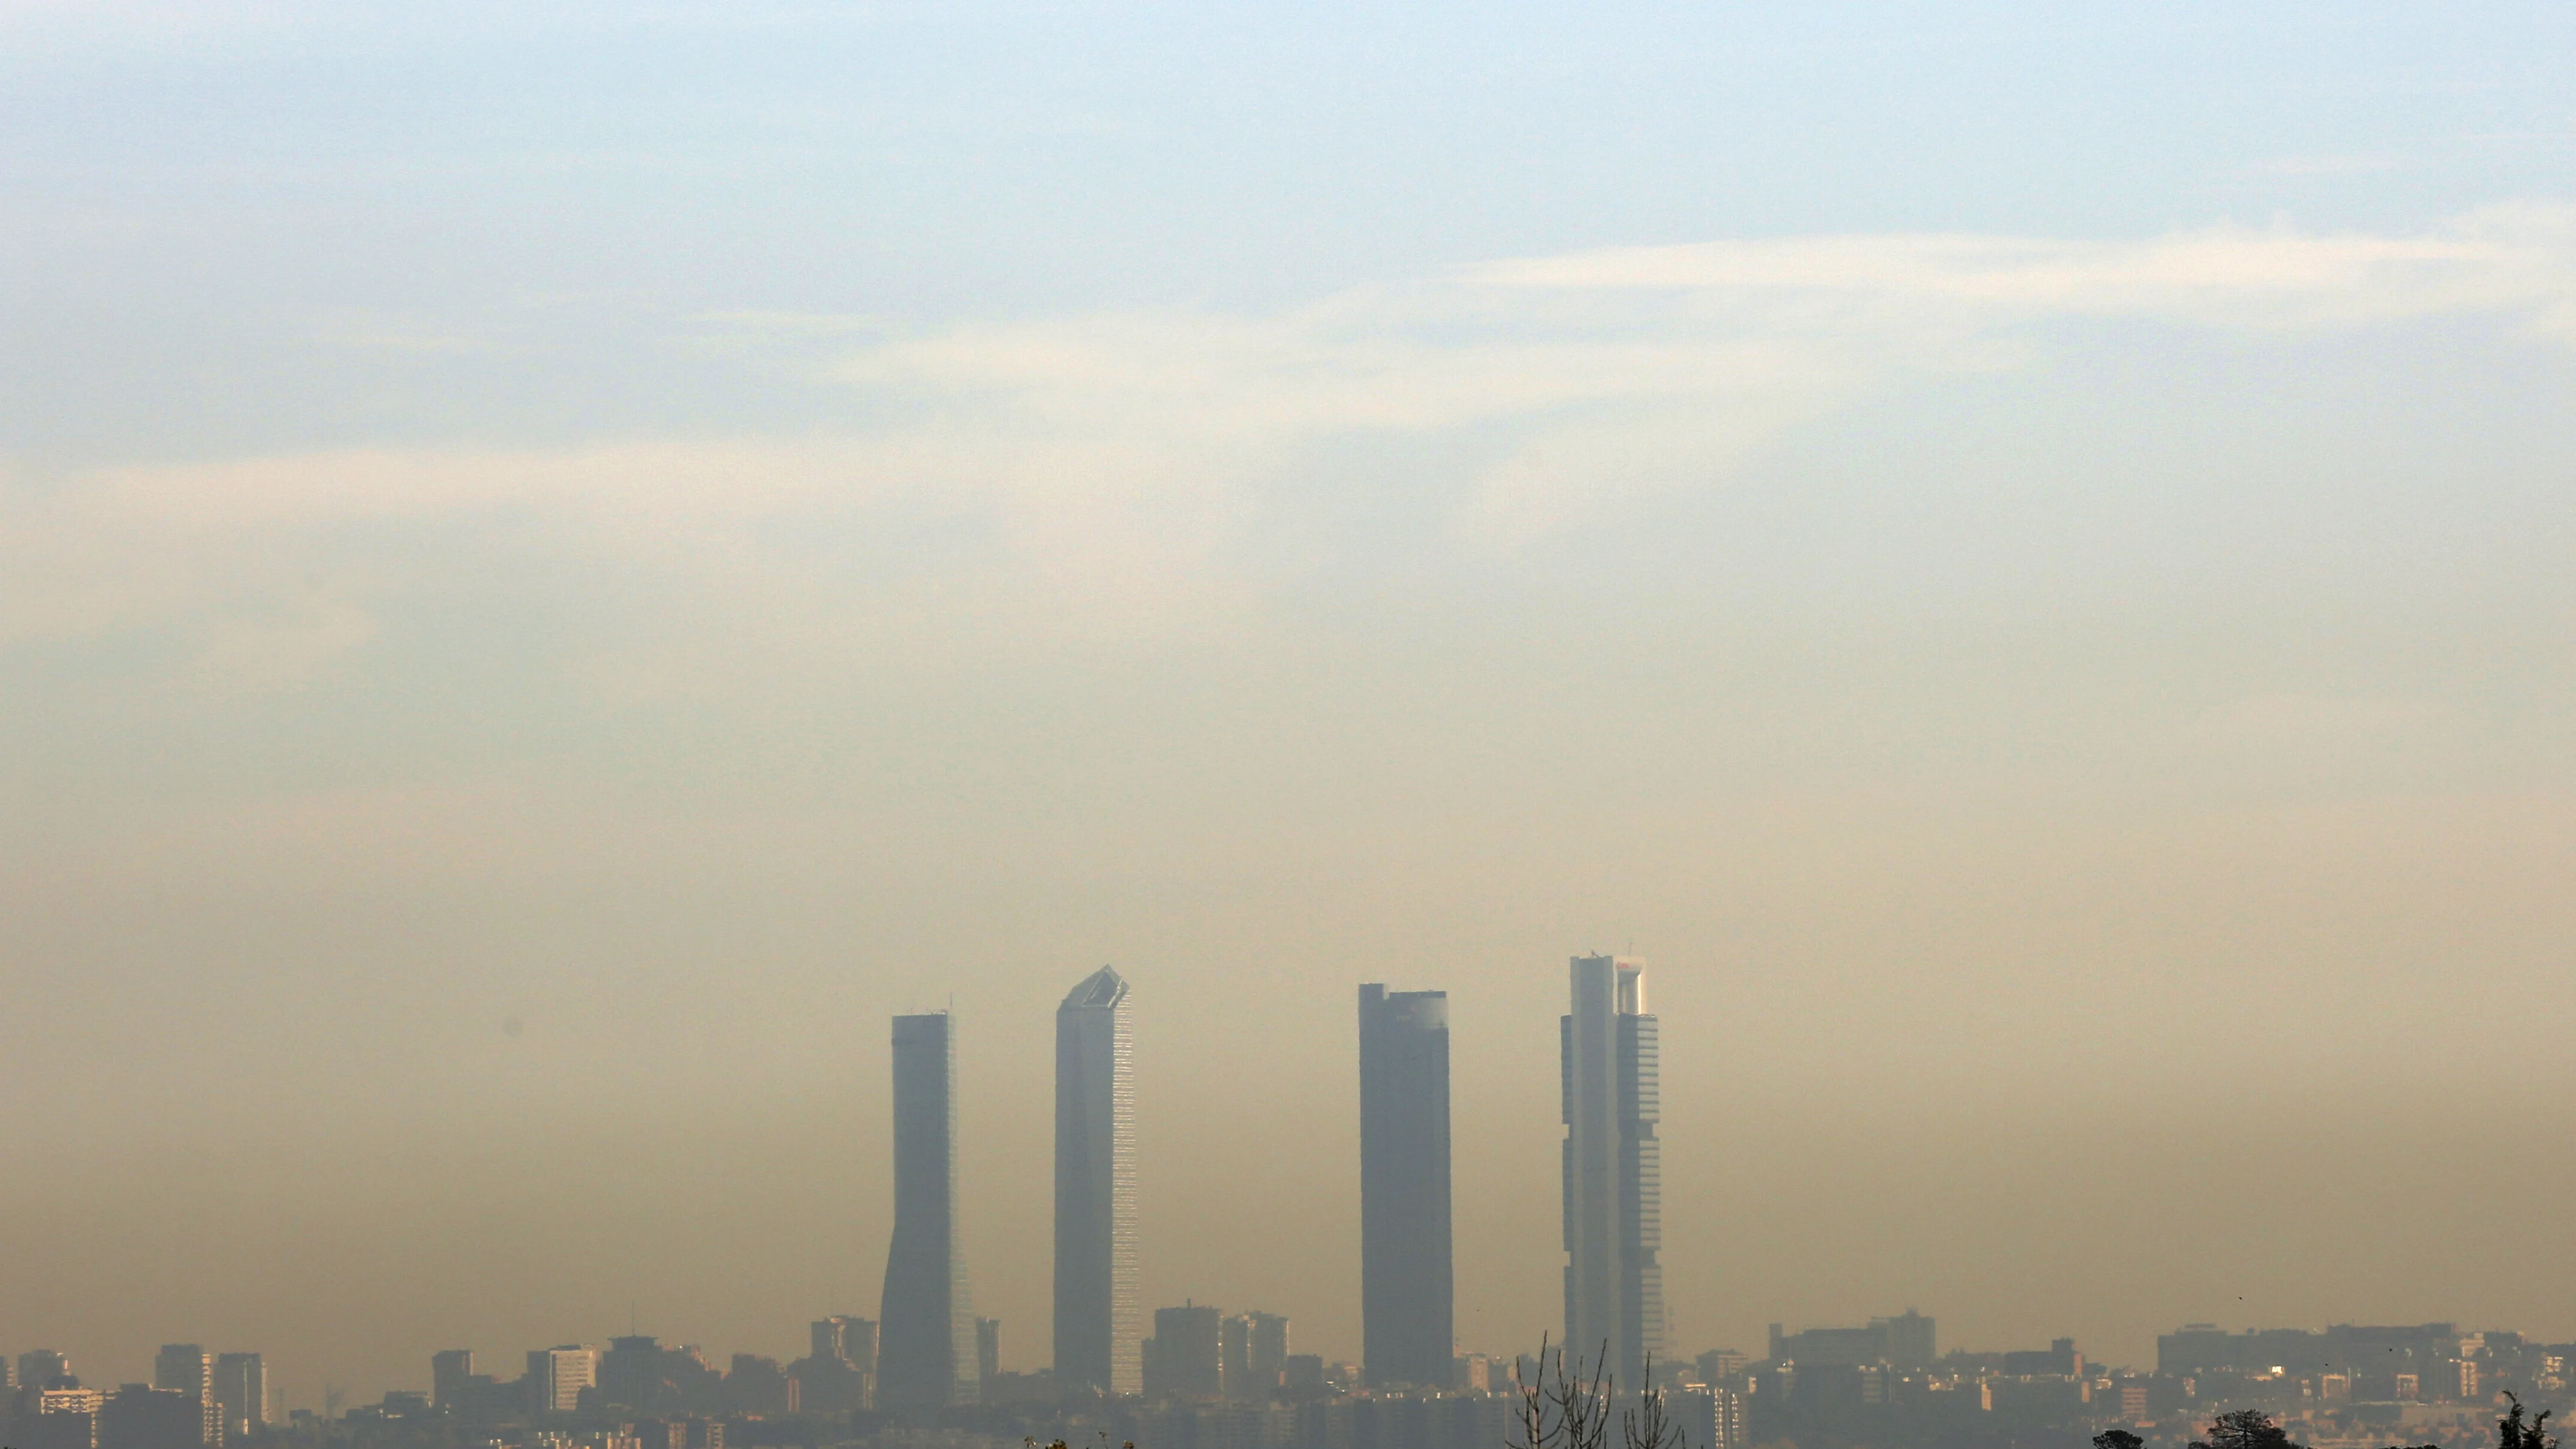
(1099, 1328)
(1614, 1213)
(926, 1322)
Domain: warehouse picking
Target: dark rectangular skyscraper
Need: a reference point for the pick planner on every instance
(1407, 1335)
(1098, 1332)
(926, 1323)
(1614, 1214)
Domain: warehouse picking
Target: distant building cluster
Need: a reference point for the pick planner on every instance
(927, 1373)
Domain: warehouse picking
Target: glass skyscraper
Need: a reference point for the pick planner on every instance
(1407, 1334)
(1099, 1329)
(926, 1321)
(1614, 1213)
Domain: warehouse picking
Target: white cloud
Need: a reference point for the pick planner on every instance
(1109, 472)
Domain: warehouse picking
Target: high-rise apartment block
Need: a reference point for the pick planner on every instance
(1407, 1332)
(840, 1374)
(1614, 1285)
(926, 1322)
(241, 1391)
(1713, 1417)
(137, 1417)
(1254, 1347)
(184, 1368)
(556, 1377)
(451, 1378)
(63, 1417)
(1185, 1358)
(988, 1349)
(1098, 1320)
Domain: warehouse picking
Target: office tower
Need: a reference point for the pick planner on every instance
(1614, 1288)
(1406, 1299)
(988, 1349)
(184, 1368)
(1098, 1331)
(926, 1323)
(38, 1368)
(556, 1377)
(241, 1389)
(451, 1378)
(1183, 1359)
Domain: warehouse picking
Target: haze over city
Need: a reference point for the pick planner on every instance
(561, 565)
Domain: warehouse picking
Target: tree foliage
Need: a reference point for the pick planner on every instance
(2513, 1431)
(2244, 1429)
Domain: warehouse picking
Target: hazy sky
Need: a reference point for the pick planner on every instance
(559, 563)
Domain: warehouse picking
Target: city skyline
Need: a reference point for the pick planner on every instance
(563, 561)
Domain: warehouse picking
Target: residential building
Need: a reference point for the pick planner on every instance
(137, 1416)
(184, 1368)
(1183, 1360)
(556, 1377)
(241, 1391)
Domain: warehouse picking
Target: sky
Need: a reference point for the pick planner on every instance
(560, 563)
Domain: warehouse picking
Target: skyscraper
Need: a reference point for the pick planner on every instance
(1098, 1327)
(184, 1368)
(926, 1321)
(241, 1387)
(1406, 1332)
(1614, 1288)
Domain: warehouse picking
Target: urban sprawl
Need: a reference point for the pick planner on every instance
(926, 1373)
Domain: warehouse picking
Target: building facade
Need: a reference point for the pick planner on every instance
(1185, 1358)
(1099, 1327)
(241, 1390)
(926, 1320)
(1609, 1047)
(1407, 1299)
(556, 1377)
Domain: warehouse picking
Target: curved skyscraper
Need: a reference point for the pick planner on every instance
(1614, 1195)
(1407, 1335)
(926, 1321)
(1099, 1329)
